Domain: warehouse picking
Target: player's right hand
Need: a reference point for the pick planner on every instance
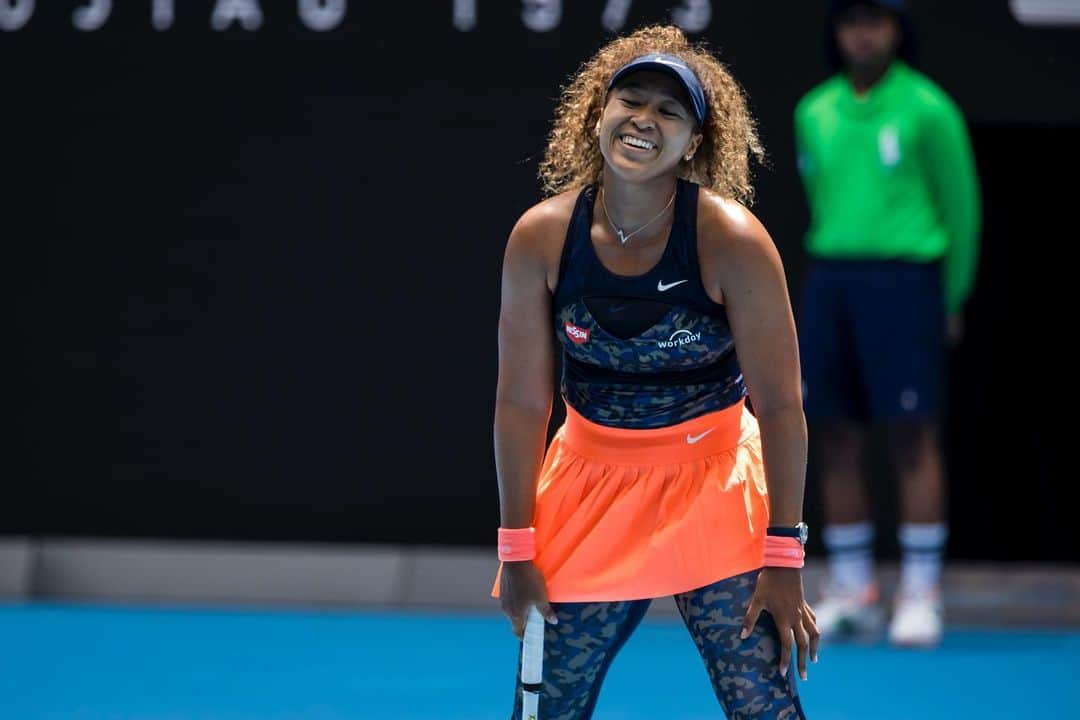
(520, 586)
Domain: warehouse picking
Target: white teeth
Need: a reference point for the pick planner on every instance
(637, 142)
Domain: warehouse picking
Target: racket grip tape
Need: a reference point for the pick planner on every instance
(532, 663)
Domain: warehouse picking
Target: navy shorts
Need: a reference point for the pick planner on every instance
(872, 340)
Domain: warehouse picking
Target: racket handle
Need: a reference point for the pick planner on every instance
(530, 705)
(532, 663)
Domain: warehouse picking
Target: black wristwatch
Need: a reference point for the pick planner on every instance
(800, 532)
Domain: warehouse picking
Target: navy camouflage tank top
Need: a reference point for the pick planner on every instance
(649, 350)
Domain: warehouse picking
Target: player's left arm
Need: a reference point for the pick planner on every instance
(745, 267)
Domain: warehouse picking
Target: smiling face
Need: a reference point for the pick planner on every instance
(646, 128)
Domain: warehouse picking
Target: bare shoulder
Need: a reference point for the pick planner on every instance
(539, 234)
(727, 227)
(546, 221)
(733, 246)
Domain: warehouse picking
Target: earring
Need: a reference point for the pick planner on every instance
(688, 157)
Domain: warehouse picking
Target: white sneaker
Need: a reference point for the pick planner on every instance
(845, 614)
(918, 620)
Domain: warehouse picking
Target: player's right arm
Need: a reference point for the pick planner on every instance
(523, 397)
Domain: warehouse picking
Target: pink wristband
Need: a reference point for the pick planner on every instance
(784, 552)
(516, 544)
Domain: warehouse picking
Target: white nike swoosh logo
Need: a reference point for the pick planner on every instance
(662, 287)
(691, 439)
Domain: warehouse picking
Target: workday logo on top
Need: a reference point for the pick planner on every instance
(678, 339)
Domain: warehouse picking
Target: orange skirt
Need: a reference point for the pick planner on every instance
(631, 514)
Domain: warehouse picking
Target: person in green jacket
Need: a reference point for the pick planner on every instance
(890, 179)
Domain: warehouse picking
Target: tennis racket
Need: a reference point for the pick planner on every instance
(532, 664)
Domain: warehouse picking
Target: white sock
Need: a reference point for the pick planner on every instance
(851, 555)
(923, 546)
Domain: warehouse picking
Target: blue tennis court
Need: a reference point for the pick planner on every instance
(111, 663)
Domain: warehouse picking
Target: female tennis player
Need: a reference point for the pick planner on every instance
(668, 300)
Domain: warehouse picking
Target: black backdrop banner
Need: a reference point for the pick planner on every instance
(255, 253)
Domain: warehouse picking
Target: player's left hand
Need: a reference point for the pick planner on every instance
(780, 591)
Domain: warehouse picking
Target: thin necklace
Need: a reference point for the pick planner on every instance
(624, 237)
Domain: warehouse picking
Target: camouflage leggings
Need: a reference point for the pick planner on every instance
(744, 673)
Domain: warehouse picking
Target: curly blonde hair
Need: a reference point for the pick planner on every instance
(722, 162)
